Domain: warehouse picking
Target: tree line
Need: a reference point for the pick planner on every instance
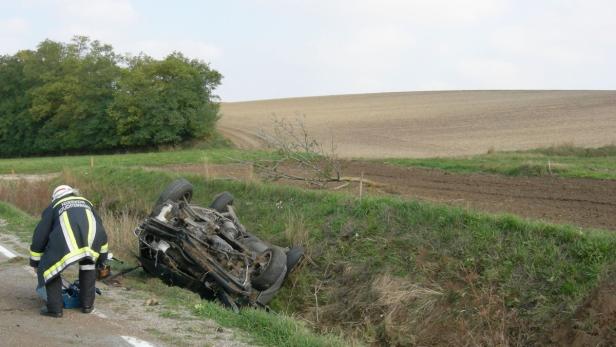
(82, 96)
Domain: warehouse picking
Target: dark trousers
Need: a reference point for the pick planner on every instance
(87, 279)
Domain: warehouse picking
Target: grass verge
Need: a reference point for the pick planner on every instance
(257, 326)
(388, 271)
(188, 156)
(563, 161)
(21, 223)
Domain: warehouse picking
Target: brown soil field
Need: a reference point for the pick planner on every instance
(429, 124)
(581, 202)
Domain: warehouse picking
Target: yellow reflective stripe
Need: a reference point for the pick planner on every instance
(60, 265)
(65, 233)
(91, 227)
(69, 230)
(105, 248)
(71, 198)
(35, 254)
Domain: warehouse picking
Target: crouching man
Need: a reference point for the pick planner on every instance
(69, 231)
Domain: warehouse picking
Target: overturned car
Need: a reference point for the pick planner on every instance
(209, 251)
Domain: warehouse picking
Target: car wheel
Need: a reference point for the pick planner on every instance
(254, 244)
(177, 190)
(294, 255)
(276, 266)
(221, 201)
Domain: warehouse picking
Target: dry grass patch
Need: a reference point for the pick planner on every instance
(295, 232)
(378, 308)
(119, 227)
(30, 196)
(34, 196)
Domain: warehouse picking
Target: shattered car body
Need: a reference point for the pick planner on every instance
(209, 251)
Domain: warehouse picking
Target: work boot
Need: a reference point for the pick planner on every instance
(46, 312)
(54, 298)
(87, 289)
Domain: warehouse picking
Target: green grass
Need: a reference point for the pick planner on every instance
(564, 161)
(484, 268)
(274, 330)
(525, 273)
(188, 156)
(21, 223)
(257, 327)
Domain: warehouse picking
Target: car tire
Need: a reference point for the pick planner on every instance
(221, 201)
(276, 267)
(253, 243)
(176, 191)
(294, 255)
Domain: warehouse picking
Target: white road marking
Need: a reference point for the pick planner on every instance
(133, 341)
(99, 314)
(7, 253)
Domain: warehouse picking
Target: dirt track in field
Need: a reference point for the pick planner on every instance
(428, 124)
(582, 202)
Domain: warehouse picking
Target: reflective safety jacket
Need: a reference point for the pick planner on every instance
(69, 231)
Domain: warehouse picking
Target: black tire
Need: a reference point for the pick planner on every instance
(176, 191)
(294, 255)
(221, 201)
(276, 266)
(254, 244)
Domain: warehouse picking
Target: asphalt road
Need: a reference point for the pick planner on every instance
(120, 318)
(22, 325)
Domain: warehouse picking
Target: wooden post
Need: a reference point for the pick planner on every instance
(91, 162)
(206, 169)
(361, 185)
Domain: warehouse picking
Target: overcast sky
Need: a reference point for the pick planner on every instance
(286, 48)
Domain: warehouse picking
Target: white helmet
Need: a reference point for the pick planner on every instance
(61, 191)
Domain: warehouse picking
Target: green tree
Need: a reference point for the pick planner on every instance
(72, 95)
(165, 101)
(15, 121)
(82, 97)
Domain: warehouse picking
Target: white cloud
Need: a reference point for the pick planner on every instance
(424, 11)
(11, 32)
(13, 26)
(491, 74)
(364, 56)
(116, 22)
(105, 20)
(102, 11)
(276, 48)
(190, 48)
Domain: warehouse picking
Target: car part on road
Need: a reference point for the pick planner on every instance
(110, 279)
(209, 251)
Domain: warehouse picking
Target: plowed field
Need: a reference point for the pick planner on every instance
(428, 124)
